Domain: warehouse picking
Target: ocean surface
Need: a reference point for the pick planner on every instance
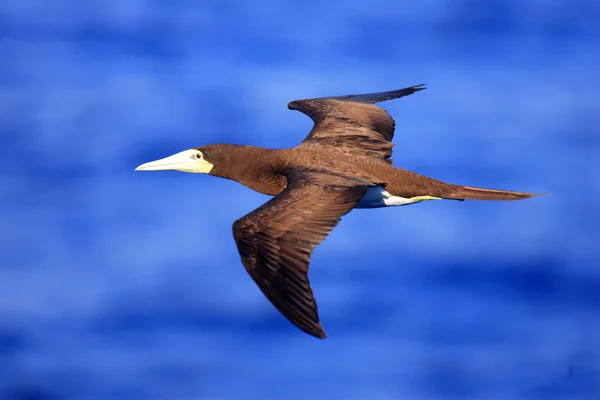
(116, 284)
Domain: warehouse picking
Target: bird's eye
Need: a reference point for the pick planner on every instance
(197, 156)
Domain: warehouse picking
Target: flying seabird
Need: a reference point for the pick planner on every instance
(343, 163)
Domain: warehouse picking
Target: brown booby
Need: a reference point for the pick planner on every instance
(343, 163)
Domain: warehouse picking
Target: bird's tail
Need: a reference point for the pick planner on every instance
(470, 193)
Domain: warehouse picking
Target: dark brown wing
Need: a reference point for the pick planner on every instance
(353, 123)
(276, 240)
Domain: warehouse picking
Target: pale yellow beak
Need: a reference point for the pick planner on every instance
(185, 161)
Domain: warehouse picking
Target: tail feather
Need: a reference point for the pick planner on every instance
(470, 193)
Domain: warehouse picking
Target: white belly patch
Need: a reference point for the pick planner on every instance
(377, 197)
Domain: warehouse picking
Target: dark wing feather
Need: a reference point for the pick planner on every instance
(353, 123)
(276, 241)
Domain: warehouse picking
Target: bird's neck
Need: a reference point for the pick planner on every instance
(254, 167)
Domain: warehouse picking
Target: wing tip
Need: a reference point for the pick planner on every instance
(372, 98)
(410, 90)
(320, 334)
(315, 330)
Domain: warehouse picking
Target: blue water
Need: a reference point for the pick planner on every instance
(123, 285)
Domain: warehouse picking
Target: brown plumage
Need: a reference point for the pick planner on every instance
(276, 240)
(343, 163)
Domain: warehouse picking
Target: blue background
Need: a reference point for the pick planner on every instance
(123, 285)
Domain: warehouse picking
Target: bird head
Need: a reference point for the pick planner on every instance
(192, 160)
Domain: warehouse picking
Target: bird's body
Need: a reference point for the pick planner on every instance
(344, 163)
(264, 170)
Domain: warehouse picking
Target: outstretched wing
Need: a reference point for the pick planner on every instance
(276, 240)
(353, 123)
